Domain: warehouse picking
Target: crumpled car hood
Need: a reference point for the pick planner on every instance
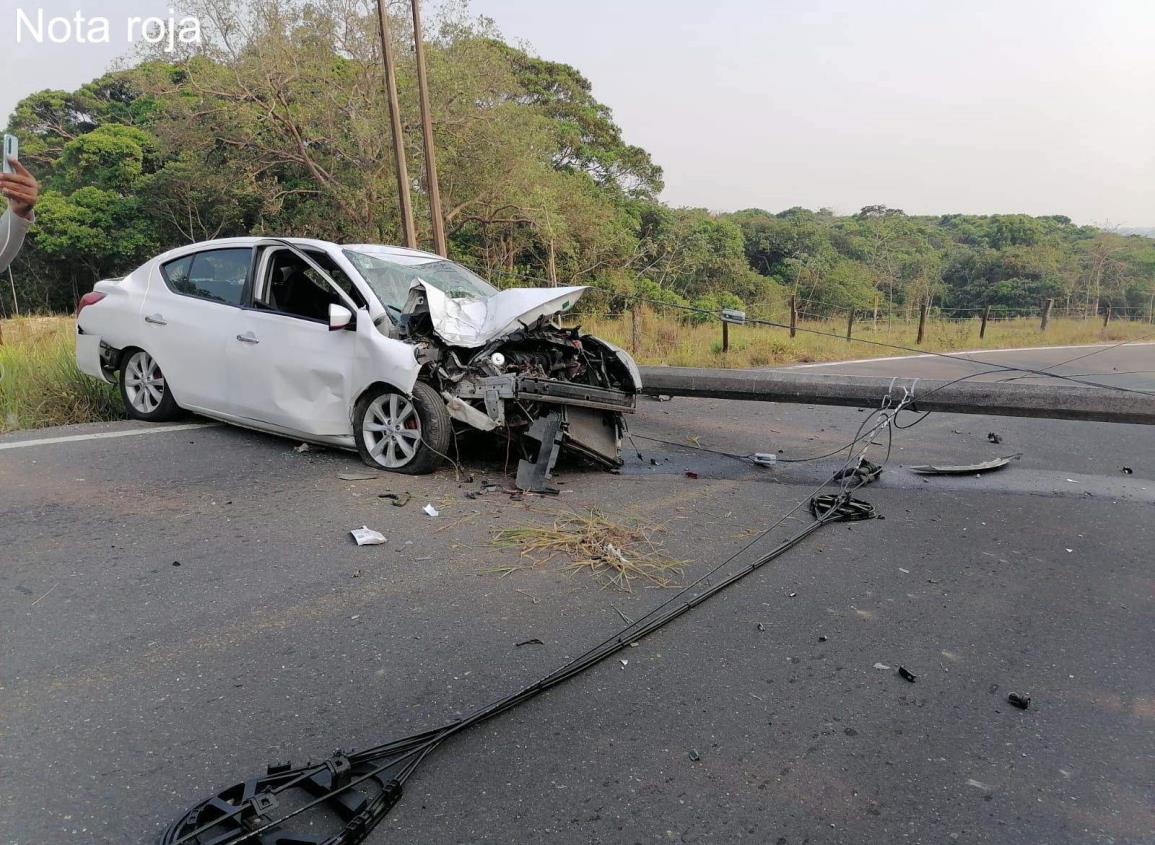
(475, 322)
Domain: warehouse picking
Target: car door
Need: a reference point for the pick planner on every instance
(287, 369)
(189, 315)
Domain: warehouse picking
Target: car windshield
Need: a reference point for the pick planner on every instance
(390, 274)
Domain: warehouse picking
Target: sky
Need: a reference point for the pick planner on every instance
(932, 107)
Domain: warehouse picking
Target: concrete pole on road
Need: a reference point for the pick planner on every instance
(406, 205)
(431, 185)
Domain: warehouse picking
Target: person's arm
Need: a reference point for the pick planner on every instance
(22, 191)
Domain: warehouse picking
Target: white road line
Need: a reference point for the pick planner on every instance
(104, 435)
(970, 352)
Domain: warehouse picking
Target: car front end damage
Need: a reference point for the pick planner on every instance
(545, 387)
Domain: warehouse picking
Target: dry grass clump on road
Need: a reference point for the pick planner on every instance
(617, 551)
(39, 382)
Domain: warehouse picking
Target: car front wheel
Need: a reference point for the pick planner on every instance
(144, 390)
(408, 434)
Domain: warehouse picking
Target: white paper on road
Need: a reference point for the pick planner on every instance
(367, 536)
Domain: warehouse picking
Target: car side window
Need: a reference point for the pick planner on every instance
(217, 275)
(293, 287)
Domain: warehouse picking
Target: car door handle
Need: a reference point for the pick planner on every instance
(156, 320)
(248, 338)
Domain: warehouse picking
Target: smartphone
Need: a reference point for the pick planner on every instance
(11, 150)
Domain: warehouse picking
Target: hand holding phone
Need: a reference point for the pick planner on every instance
(17, 185)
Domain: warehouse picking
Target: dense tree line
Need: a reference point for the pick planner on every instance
(277, 124)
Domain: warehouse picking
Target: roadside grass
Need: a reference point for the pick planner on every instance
(41, 386)
(666, 340)
(39, 382)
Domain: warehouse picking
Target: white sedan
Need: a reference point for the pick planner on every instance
(378, 348)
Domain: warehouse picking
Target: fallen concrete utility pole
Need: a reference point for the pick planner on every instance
(1053, 401)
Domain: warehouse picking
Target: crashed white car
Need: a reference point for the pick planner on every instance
(378, 348)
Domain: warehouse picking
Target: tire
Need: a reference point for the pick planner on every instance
(386, 423)
(144, 390)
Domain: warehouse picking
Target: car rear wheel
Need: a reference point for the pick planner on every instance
(144, 390)
(408, 434)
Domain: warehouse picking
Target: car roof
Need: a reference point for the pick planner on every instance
(250, 240)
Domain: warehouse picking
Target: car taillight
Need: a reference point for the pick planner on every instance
(90, 298)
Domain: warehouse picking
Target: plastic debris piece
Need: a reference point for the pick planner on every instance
(534, 641)
(694, 756)
(765, 459)
(432, 511)
(691, 474)
(304, 447)
(985, 466)
(791, 595)
(662, 397)
(822, 639)
(176, 563)
(1020, 701)
(358, 476)
(625, 663)
(906, 674)
(761, 627)
(994, 438)
(881, 666)
(367, 536)
(978, 784)
(1128, 471)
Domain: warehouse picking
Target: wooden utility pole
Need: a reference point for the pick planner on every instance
(983, 325)
(387, 59)
(850, 324)
(793, 315)
(431, 186)
(1046, 314)
(1107, 316)
(725, 336)
(1151, 308)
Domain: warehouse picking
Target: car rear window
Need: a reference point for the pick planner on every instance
(217, 275)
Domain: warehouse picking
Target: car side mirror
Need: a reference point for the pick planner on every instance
(339, 317)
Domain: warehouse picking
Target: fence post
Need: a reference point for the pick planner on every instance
(922, 309)
(1107, 316)
(850, 324)
(983, 325)
(1151, 309)
(634, 333)
(793, 315)
(1046, 314)
(725, 336)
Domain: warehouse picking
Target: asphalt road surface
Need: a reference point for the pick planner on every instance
(132, 687)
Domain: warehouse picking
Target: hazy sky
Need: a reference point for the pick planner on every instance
(984, 106)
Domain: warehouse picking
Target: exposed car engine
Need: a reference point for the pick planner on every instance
(554, 386)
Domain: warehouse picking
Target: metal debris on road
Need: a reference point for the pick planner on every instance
(1127, 470)
(694, 756)
(366, 536)
(359, 476)
(966, 469)
(399, 500)
(1020, 701)
(906, 674)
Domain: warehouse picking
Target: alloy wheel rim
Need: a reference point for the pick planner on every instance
(392, 430)
(143, 383)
